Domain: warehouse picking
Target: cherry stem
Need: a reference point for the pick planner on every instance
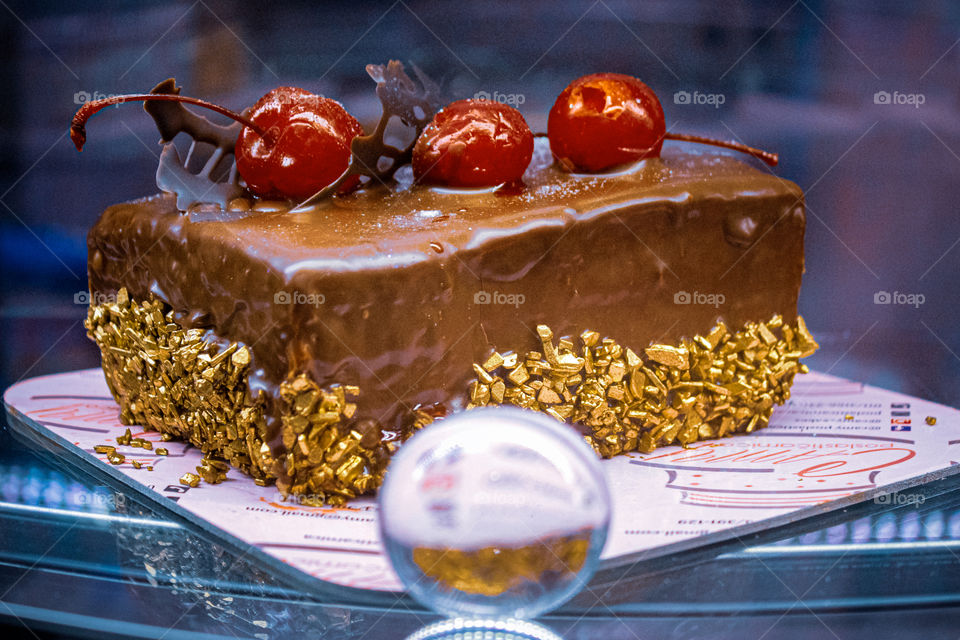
(78, 132)
(770, 158)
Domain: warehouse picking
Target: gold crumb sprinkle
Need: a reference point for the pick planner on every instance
(172, 380)
(715, 385)
(930, 420)
(676, 357)
(849, 416)
(190, 480)
(213, 470)
(176, 382)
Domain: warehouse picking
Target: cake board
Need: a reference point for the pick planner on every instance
(835, 448)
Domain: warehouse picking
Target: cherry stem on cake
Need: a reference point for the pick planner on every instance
(78, 131)
(770, 158)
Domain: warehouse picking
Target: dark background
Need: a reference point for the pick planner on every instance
(798, 78)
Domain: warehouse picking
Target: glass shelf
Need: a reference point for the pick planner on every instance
(69, 545)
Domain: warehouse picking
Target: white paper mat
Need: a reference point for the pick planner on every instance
(834, 439)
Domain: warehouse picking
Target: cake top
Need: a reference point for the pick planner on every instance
(408, 222)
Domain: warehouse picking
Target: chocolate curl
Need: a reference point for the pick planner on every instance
(173, 176)
(166, 106)
(414, 104)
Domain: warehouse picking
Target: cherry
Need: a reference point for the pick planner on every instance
(293, 143)
(473, 143)
(311, 149)
(607, 119)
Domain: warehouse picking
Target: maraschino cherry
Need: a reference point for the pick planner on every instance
(311, 148)
(293, 142)
(473, 143)
(608, 119)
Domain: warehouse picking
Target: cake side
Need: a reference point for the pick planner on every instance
(399, 324)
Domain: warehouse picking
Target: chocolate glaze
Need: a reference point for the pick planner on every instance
(390, 282)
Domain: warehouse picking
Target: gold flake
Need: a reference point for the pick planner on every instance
(676, 357)
(190, 480)
(240, 358)
(765, 334)
(519, 375)
(589, 338)
(617, 370)
(497, 390)
(482, 374)
(494, 361)
(546, 338)
(808, 344)
(548, 396)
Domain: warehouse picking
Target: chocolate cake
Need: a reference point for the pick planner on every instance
(651, 305)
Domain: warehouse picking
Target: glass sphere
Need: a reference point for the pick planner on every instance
(494, 512)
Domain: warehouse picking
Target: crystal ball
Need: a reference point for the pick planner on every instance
(497, 512)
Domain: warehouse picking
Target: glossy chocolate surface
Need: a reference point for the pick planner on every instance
(400, 290)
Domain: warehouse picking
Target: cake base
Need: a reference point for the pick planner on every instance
(189, 385)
